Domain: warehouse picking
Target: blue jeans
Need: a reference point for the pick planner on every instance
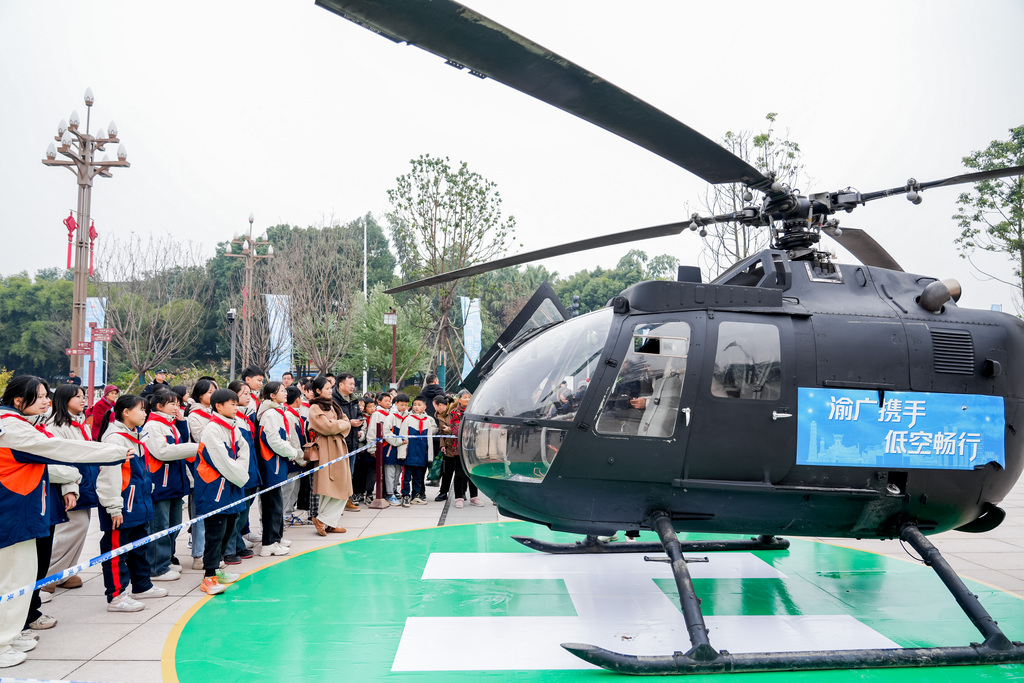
(166, 513)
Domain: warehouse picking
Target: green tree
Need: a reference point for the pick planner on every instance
(991, 216)
(441, 219)
(35, 325)
(377, 337)
(726, 243)
(596, 287)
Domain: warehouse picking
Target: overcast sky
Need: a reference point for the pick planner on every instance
(285, 110)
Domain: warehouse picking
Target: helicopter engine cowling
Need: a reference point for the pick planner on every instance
(937, 293)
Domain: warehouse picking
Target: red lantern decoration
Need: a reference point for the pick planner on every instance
(92, 238)
(71, 225)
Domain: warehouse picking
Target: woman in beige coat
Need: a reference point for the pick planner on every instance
(333, 483)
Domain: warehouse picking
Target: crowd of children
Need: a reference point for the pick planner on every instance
(176, 453)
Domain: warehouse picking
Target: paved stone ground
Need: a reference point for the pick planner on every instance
(91, 644)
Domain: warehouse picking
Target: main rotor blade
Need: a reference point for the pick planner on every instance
(571, 247)
(953, 180)
(864, 247)
(460, 35)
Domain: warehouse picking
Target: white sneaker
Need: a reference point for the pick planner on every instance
(44, 622)
(248, 544)
(124, 603)
(153, 592)
(285, 542)
(45, 597)
(197, 563)
(274, 549)
(253, 537)
(226, 577)
(169, 575)
(11, 657)
(29, 633)
(418, 501)
(24, 644)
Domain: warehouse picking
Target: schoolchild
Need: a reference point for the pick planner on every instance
(166, 462)
(392, 468)
(275, 452)
(126, 509)
(297, 438)
(254, 377)
(102, 408)
(181, 419)
(25, 450)
(442, 414)
(222, 469)
(239, 547)
(364, 478)
(461, 480)
(67, 421)
(198, 417)
(416, 452)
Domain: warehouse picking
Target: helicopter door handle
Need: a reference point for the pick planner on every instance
(776, 416)
(686, 412)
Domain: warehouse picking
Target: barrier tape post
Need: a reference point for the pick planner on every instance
(117, 552)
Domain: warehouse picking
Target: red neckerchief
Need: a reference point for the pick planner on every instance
(157, 417)
(41, 428)
(292, 411)
(287, 427)
(217, 420)
(86, 434)
(383, 412)
(421, 419)
(252, 427)
(305, 404)
(134, 440)
(202, 413)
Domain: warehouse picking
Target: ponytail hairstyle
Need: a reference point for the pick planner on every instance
(200, 389)
(25, 387)
(62, 395)
(126, 402)
(269, 389)
(162, 397)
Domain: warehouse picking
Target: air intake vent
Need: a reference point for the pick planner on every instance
(953, 351)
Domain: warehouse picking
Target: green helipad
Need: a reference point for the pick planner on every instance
(462, 602)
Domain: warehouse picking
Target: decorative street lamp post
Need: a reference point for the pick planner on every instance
(80, 149)
(248, 244)
(391, 318)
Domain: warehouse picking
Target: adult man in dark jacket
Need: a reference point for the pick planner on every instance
(344, 395)
(431, 389)
(159, 382)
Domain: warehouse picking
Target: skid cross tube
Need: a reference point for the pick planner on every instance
(702, 658)
(592, 545)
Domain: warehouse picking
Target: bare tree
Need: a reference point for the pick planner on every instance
(265, 349)
(727, 243)
(319, 269)
(157, 292)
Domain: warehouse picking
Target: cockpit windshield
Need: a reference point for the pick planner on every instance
(548, 376)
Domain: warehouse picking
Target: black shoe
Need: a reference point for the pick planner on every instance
(246, 554)
(232, 559)
(440, 497)
(174, 562)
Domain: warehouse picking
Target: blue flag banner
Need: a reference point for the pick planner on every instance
(903, 429)
(472, 331)
(96, 312)
(278, 318)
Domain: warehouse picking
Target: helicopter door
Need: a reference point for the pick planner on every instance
(744, 426)
(647, 408)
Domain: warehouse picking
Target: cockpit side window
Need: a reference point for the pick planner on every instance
(645, 397)
(748, 362)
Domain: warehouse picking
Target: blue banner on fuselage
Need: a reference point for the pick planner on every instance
(908, 429)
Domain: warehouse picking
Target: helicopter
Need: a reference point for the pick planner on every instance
(792, 395)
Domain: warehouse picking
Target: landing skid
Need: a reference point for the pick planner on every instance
(592, 545)
(703, 658)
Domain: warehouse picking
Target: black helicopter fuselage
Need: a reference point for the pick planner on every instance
(816, 399)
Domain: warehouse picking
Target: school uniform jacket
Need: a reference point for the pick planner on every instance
(378, 416)
(167, 456)
(86, 487)
(247, 430)
(419, 452)
(296, 436)
(24, 482)
(272, 444)
(197, 419)
(392, 425)
(125, 489)
(222, 466)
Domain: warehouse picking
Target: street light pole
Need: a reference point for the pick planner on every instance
(249, 245)
(80, 150)
(391, 318)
